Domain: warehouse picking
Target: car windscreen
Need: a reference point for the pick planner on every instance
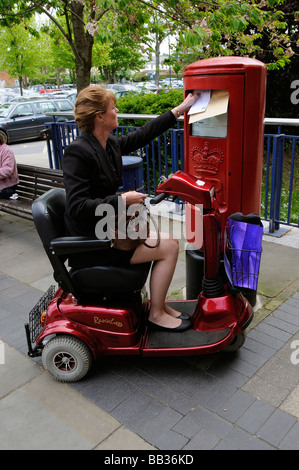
(64, 105)
(4, 110)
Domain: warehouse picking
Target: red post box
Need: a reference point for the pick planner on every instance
(224, 143)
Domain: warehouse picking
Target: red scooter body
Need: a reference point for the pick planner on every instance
(115, 330)
(117, 325)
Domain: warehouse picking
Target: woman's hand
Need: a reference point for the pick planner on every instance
(133, 197)
(186, 104)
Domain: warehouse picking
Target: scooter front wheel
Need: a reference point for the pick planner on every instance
(67, 358)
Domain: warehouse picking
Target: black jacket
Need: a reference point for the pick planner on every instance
(92, 174)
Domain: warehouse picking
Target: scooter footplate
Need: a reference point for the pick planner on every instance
(187, 339)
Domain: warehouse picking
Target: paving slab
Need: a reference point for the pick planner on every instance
(16, 370)
(27, 425)
(220, 401)
(38, 413)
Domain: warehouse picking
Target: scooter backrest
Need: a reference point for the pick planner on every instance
(48, 215)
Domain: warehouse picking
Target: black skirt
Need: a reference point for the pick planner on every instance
(110, 257)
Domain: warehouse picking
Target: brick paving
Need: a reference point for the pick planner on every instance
(243, 400)
(224, 401)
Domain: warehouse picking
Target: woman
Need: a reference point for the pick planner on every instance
(92, 167)
(8, 170)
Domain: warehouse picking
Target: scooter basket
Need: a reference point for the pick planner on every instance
(35, 327)
(242, 256)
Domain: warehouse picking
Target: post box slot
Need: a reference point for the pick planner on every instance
(212, 120)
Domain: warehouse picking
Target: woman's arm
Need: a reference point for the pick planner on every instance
(7, 162)
(145, 134)
(82, 183)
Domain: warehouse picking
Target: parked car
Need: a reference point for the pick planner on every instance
(148, 87)
(68, 86)
(5, 97)
(36, 88)
(25, 120)
(47, 88)
(123, 87)
(57, 94)
(70, 95)
(171, 83)
(20, 98)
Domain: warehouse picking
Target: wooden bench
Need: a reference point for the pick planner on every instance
(34, 181)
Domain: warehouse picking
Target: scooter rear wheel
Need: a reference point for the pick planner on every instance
(237, 343)
(67, 358)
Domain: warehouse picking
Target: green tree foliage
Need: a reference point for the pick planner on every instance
(79, 21)
(23, 53)
(207, 28)
(247, 28)
(116, 54)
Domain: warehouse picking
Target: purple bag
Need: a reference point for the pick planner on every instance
(244, 248)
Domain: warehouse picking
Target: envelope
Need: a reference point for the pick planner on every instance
(201, 103)
(218, 104)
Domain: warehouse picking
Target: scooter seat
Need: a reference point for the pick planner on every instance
(48, 215)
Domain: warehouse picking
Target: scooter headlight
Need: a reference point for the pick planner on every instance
(43, 318)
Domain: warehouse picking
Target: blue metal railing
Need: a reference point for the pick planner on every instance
(60, 134)
(165, 155)
(278, 171)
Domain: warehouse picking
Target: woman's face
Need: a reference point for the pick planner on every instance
(110, 116)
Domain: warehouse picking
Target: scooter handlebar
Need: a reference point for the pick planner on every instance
(160, 197)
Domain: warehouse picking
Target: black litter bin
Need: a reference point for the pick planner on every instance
(132, 175)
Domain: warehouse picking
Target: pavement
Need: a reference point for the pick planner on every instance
(243, 400)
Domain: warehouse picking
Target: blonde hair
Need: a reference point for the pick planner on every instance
(91, 101)
(3, 138)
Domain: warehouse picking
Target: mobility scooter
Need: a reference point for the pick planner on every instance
(99, 310)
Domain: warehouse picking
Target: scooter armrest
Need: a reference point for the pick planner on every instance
(70, 245)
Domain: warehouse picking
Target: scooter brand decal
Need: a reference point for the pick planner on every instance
(206, 160)
(109, 321)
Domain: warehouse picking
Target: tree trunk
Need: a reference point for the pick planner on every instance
(157, 74)
(21, 85)
(83, 46)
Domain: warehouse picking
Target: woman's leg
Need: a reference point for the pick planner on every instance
(165, 259)
(6, 193)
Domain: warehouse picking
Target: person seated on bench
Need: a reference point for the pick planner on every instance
(8, 170)
(93, 173)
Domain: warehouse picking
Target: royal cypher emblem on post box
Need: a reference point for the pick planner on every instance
(206, 160)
